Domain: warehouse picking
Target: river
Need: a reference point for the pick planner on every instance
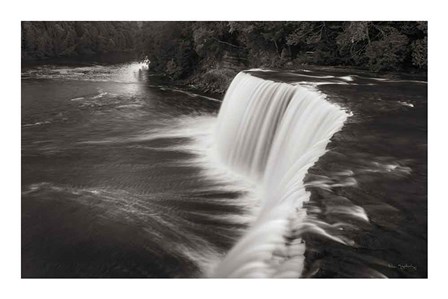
(119, 178)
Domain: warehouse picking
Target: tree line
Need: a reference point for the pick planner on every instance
(182, 49)
(42, 39)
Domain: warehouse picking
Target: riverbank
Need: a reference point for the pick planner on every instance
(216, 80)
(115, 57)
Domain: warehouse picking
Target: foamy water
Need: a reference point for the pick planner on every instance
(272, 133)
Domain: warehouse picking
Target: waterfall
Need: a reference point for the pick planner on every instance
(272, 133)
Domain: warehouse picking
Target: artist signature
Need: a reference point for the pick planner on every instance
(406, 267)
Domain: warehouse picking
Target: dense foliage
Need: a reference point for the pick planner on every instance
(178, 47)
(54, 39)
(212, 52)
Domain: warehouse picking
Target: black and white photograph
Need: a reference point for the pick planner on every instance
(214, 149)
(224, 149)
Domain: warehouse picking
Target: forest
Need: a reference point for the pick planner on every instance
(42, 40)
(210, 53)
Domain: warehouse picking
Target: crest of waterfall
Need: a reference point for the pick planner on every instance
(273, 133)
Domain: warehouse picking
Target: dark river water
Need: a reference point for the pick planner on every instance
(115, 182)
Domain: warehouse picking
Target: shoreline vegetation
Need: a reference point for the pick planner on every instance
(207, 55)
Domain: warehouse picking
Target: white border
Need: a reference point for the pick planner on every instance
(13, 12)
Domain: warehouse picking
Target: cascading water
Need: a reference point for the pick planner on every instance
(273, 133)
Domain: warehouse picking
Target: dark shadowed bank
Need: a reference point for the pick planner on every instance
(207, 55)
